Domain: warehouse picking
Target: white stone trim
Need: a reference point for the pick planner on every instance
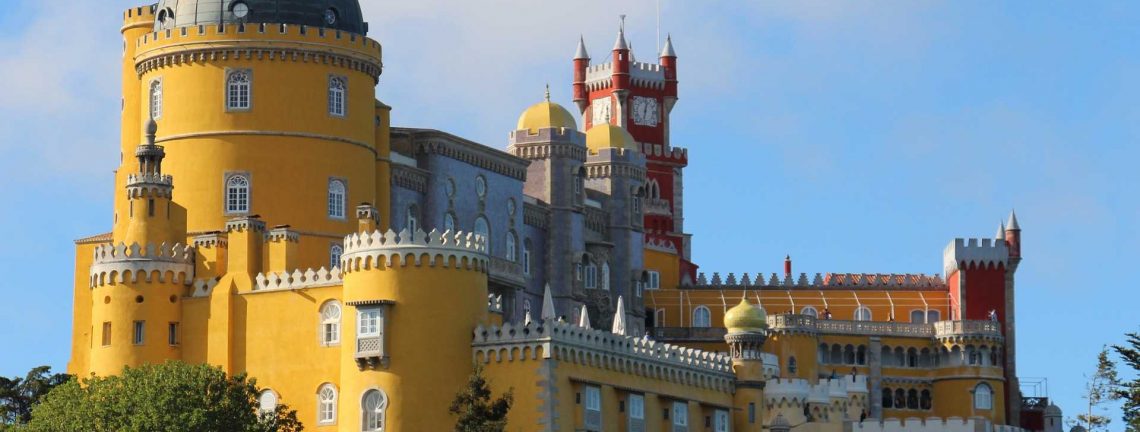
(362, 251)
(115, 264)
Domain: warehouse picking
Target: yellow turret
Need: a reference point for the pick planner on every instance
(747, 330)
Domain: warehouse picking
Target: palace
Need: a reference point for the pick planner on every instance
(268, 219)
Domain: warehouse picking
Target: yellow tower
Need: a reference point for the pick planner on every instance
(413, 299)
(747, 330)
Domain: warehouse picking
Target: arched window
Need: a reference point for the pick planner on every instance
(888, 398)
(702, 317)
(809, 311)
(373, 405)
(983, 397)
(326, 404)
(933, 316)
(886, 356)
(917, 316)
(900, 357)
(337, 87)
(605, 276)
(823, 356)
(925, 402)
(238, 90)
(412, 219)
(912, 399)
(849, 355)
(591, 276)
(512, 244)
(924, 358)
(237, 194)
(911, 357)
(267, 401)
(900, 398)
(861, 355)
(972, 355)
(791, 365)
(336, 199)
(482, 228)
(836, 354)
(156, 99)
(449, 222)
(526, 257)
(330, 323)
(862, 313)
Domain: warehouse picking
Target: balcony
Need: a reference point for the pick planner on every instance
(658, 207)
(688, 334)
(370, 352)
(982, 329)
(809, 324)
(507, 272)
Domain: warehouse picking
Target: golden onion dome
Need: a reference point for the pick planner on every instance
(609, 136)
(745, 318)
(546, 115)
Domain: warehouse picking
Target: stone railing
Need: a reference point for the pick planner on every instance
(602, 349)
(688, 334)
(507, 271)
(658, 207)
(983, 329)
(796, 322)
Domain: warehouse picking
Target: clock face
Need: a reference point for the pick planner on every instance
(645, 111)
(602, 110)
(240, 10)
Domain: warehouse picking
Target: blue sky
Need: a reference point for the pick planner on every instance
(855, 136)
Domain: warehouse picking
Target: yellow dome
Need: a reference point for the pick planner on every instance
(609, 136)
(744, 317)
(545, 115)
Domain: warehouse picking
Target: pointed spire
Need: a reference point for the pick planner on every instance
(548, 92)
(621, 43)
(632, 59)
(1001, 232)
(548, 305)
(1012, 224)
(581, 53)
(584, 318)
(667, 51)
(526, 318)
(619, 318)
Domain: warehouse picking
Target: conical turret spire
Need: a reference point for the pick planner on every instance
(1001, 232)
(581, 53)
(621, 44)
(1012, 224)
(548, 305)
(667, 50)
(619, 318)
(584, 318)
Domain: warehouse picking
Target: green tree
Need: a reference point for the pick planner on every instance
(173, 396)
(19, 395)
(1130, 391)
(475, 409)
(1100, 389)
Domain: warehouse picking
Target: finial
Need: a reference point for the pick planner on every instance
(621, 43)
(548, 92)
(151, 131)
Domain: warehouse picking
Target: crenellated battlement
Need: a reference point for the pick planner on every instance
(272, 42)
(616, 162)
(363, 251)
(115, 264)
(645, 75)
(822, 281)
(140, 13)
(149, 185)
(660, 245)
(286, 281)
(974, 253)
(796, 392)
(567, 342)
(660, 153)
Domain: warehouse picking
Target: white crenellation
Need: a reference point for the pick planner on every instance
(495, 303)
(203, 287)
(363, 251)
(933, 424)
(211, 240)
(820, 281)
(285, 281)
(568, 342)
(980, 252)
(150, 185)
(660, 245)
(282, 235)
(797, 392)
(245, 223)
(114, 264)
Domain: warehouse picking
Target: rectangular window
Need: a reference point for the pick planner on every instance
(593, 408)
(720, 421)
(172, 336)
(680, 414)
(636, 413)
(139, 335)
(751, 413)
(369, 320)
(156, 99)
(150, 207)
(654, 280)
(238, 89)
(106, 333)
(526, 260)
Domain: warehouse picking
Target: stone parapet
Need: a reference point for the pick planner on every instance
(151, 263)
(363, 251)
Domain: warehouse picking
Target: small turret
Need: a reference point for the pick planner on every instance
(1000, 232)
(1013, 237)
(153, 218)
(581, 63)
(787, 266)
(669, 63)
(747, 327)
(621, 61)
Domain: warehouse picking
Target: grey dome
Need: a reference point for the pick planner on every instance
(179, 13)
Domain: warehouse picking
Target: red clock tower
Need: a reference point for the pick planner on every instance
(639, 97)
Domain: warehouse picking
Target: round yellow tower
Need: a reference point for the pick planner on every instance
(413, 300)
(266, 109)
(747, 330)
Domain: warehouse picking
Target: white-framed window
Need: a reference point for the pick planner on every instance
(720, 421)
(411, 219)
(237, 194)
(809, 311)
(680, 414)
(139, 335)
(605, 276)
(654, 280)
(326, 404)
(335, 252)
(336, 198)
(526, 257)
(267, 401)
(636, 407)
(702, 317)
(330, 323)
(482, 228)
(368, 322)
(372, 406)
(338, 87)
(591, 276)
(238, 90)
(156, 99)
(862, 313)
(449, 222)
(983, 397)
(512, 246)
(593, 408)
